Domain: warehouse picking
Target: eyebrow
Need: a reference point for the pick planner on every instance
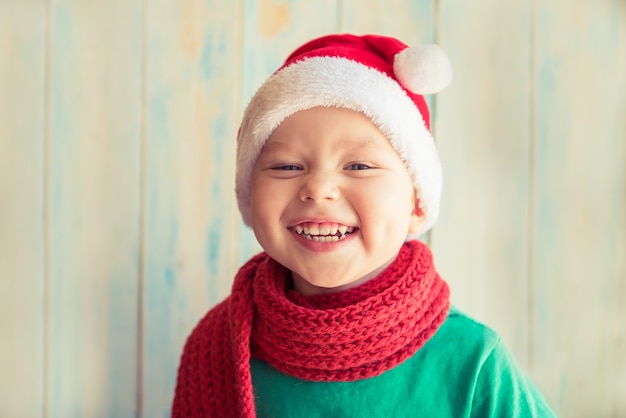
(270, 146)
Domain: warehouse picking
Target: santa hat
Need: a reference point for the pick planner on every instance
(378, 76)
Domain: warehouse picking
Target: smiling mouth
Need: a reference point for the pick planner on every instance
(324, 232)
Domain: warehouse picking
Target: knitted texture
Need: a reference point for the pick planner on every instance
(346, 336)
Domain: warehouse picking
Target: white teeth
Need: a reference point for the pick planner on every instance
(323, 232)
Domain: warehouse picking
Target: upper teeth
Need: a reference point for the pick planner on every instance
(325, 230)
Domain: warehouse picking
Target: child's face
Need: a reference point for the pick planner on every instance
(331, 199)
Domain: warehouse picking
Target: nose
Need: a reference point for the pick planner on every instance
(319, 187)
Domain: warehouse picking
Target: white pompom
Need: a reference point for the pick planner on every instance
(423, 69)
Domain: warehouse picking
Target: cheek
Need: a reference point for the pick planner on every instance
(267, 202)
(389, 207)
(258, 204)
(394, 196)
(263, 218)
(261, 209)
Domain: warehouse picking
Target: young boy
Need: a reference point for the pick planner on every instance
(344, 314)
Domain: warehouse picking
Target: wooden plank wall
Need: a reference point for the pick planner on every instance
(119, 227)
(22, 209)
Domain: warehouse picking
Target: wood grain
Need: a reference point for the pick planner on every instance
(118, 222)
(189, 213)
(22, 258)
(579, 211)
(411, 21)
(93, 214)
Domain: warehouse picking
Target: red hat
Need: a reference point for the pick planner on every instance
(378, 76)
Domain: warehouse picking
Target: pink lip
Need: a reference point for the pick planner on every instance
(317, 221)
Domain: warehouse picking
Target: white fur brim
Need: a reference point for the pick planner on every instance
(339, 82)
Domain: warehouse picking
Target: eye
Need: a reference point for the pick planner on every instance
(358, 166)
(286, 167)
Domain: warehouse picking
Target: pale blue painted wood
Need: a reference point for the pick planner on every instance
(22, 259)
(94, 185)
(533, 120)
(482, 131)
(191, 93)
(579, 206)
(411, 21)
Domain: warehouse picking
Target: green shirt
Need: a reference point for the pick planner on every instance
(464, 370)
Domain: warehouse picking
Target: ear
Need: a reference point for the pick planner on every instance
(417, 218)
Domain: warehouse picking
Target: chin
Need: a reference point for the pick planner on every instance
(320, 284)
(325, 284)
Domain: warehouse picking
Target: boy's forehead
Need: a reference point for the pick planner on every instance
(275, 144)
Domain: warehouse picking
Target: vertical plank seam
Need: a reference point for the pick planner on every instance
(46, 209)
(141, 218)
(235, 225)
(620, 285)
(532, 138)
(339, 16)
(436, 26)
(430, 234)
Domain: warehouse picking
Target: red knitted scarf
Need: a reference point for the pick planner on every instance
(355, 334)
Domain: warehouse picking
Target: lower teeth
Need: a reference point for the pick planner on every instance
(324, 238)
